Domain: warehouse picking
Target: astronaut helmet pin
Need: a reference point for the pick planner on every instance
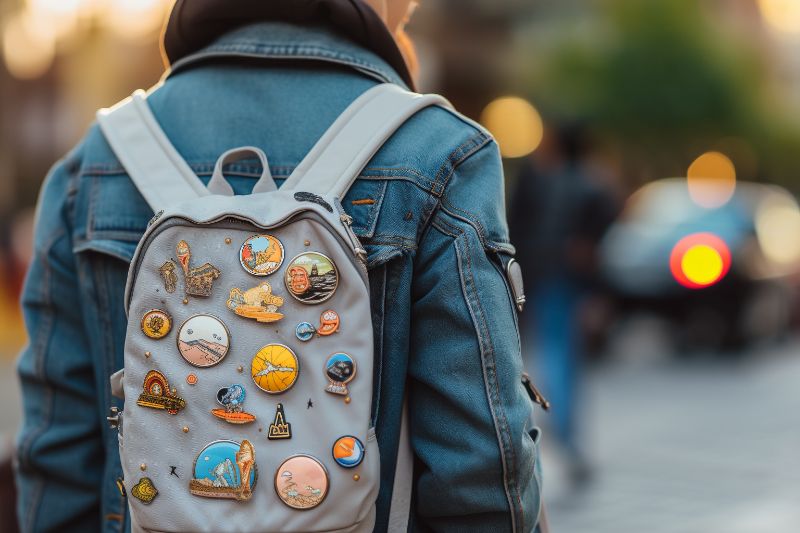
(340, 369)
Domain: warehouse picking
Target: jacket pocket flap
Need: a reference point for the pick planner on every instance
(122, 250)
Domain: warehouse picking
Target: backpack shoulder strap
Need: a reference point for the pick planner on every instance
(344, 150)
(156, 168)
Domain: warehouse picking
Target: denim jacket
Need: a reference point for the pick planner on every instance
(429, 211)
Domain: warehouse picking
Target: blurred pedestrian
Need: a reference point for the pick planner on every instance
(558, 215)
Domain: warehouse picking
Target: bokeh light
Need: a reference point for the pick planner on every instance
(28, 46)
(515, 124)
(783, 15)
(777, 222)
(134, 19)
(700, 260)
(711, 179)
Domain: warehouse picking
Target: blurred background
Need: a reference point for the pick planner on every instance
(652, 152)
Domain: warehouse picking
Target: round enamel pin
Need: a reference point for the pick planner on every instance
(301, 482)
(304, 331)
(340, 370)
(275, 368)
(348, 452)
(156, 324)
(261, 255)
(203, 340)
(328, 323)
(311, 278)
(232, 401)
(225, 469)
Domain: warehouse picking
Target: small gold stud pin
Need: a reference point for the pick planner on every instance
(240, 369)
(185, 301)
(356, 477)
(227, 240)
(307, 243)
(186, 429)
(142, 467)
(147, 355)
(347, 399)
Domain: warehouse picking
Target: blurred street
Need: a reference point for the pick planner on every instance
(687, 447)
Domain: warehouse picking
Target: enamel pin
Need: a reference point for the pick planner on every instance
(348, 452)
(304, 331)
(203, 340)
(261, 255)
(144, 491)
(275, 368)
(280, 428)
(340, 370)
(169, 276)
(198, 281)
(156, 394)
(257, 303)
(328, 323)
(225, 469)
(232, 400)
(301, 482)
(156, 324)
(311, 278)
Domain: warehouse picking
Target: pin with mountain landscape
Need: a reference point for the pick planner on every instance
(232, 401)
(225, 469)
(311, 278)
(198, 281)
(301, 482)
(257, 303)
(203, 340)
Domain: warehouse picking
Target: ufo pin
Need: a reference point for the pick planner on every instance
(232, 399)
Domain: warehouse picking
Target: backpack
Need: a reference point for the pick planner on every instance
(248, 369)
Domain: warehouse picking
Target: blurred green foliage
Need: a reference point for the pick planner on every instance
(660, 81)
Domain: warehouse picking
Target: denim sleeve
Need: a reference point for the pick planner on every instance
(59, 448)
(471, 427)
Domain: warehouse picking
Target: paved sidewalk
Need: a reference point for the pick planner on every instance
(9, 403)
(688, 447)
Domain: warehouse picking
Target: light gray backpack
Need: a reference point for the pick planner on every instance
(248, 369)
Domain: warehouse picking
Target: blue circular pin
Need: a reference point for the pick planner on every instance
(305, 331)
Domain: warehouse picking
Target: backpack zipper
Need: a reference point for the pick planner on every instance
(357, 255)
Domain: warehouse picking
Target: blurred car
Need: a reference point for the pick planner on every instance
(723, 276)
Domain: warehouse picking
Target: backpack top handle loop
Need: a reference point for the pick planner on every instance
(219, 185)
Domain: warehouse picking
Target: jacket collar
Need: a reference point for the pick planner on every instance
(194, 24)
(285, 40)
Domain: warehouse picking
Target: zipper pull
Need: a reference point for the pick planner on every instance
(533, 392)
(360, 252)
